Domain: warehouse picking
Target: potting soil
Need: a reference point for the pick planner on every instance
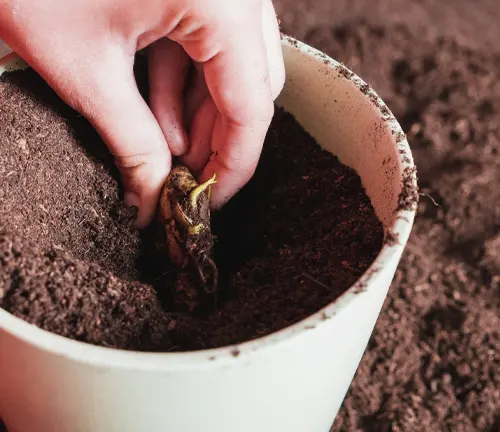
(294, 239)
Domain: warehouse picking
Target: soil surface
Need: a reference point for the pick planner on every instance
(432, 363)
(288, 244)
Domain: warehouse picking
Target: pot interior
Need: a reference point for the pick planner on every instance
(348, 119)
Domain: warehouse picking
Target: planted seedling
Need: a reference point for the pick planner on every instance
(185, 214)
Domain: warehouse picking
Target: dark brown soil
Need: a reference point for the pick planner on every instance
(432, 363)
(288, 244)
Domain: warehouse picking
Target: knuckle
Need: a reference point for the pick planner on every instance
(260, 109)
(254, 111)
(249, 171)
(264, 111)
(242, 171)
(240, 166)
(278, 80)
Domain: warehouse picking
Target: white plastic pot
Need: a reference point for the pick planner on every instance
(293, 380)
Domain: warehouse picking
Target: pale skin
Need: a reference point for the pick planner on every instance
(85, 50)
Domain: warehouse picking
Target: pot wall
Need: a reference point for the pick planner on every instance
(294, 380)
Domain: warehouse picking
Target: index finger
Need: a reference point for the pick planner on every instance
(235, 64)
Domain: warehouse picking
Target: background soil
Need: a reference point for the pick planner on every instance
(432, 363)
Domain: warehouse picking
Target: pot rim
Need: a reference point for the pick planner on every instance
(98, 356)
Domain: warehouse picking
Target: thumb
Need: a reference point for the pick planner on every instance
(134, 137)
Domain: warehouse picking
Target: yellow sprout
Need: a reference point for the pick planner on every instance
(193, 197)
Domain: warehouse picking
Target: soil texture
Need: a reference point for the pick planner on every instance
(288, 244)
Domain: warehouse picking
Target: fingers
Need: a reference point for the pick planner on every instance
(168, 66)
(200, 136)
(199, 109)
(195, 95)
(274, 51)
(116, 109)
(237, 75)
(199, 115)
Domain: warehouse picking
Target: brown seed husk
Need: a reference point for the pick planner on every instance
(185, 215)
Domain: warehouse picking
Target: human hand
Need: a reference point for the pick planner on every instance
(85, 50)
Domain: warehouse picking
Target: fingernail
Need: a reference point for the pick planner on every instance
(131, 199)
